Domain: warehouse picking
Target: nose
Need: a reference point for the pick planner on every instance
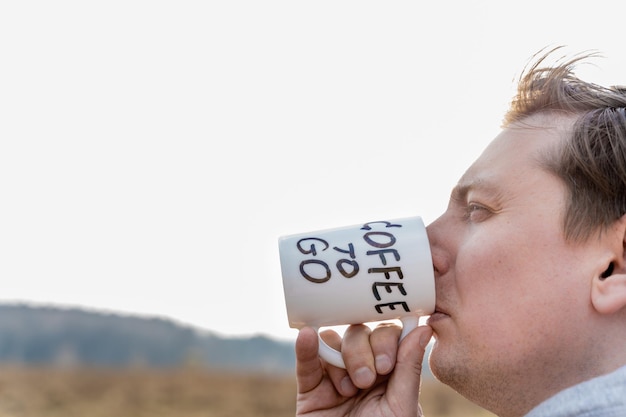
(441, 262)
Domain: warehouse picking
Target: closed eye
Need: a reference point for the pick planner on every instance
(475, 212)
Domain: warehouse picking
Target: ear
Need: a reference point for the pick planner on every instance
(608, 289)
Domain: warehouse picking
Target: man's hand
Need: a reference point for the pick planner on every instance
(380, 379)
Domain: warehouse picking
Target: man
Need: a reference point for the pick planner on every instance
(530, 271)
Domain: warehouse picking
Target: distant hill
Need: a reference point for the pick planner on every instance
(66, 337)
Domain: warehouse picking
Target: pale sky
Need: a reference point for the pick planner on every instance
(152, 152)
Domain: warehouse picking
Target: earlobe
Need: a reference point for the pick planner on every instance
(608, 291)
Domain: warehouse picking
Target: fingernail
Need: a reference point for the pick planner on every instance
(347, 387)
(424, 339)
(364, 377)
(383, 364)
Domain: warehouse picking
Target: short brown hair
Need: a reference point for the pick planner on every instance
(592, 162)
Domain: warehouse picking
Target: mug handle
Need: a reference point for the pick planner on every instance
(334, 357)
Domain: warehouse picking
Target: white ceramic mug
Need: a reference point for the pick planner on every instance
(380, 270)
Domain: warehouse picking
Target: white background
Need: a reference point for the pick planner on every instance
(151, 152)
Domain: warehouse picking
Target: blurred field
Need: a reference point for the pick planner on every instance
(30, 392)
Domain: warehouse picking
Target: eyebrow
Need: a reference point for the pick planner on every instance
(460, 191)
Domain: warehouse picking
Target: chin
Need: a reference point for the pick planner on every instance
(434, 361)
(446, 366)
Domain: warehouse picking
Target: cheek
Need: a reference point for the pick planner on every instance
(483, 267)
(510, 287)
(498, 280)
(506, 257)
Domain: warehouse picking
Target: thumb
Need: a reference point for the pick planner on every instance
(404, 384)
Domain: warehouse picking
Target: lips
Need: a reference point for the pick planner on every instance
(439, 314)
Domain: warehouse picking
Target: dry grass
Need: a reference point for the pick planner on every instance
(30, 392)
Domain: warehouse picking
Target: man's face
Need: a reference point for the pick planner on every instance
(511, 292)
